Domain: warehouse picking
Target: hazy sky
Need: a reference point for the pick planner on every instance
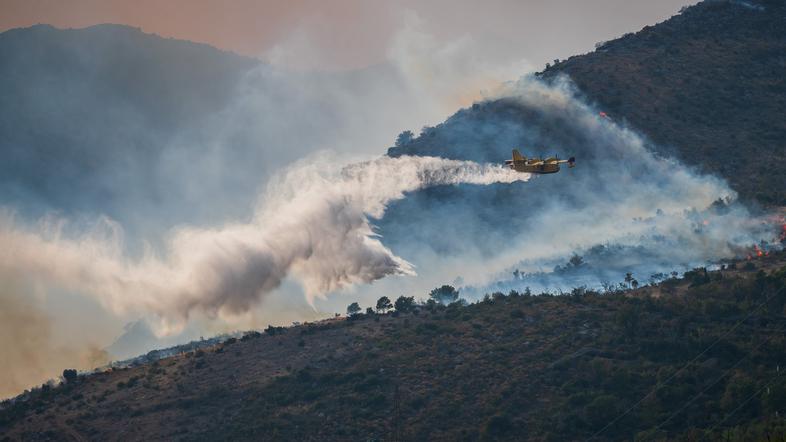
(340, 34)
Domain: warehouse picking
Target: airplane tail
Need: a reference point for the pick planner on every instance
(517, 156)
(571, 161)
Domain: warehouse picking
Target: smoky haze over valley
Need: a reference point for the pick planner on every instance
(347, 34)
(155, 190)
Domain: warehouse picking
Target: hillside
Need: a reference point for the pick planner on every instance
(706, 86)
(709, 83)
(89, 116)
(703, 352)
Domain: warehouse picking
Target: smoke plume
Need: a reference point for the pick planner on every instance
(312, 223)
(181, 143)
(31, 350)
(624, 207)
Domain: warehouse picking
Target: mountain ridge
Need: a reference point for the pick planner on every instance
(654, 81)
(706, 85)
(84, 111)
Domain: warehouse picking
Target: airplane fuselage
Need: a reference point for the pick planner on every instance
(520, 163)
(534, 167)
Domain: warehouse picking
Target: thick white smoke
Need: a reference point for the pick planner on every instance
(646, 213)
(312, 223)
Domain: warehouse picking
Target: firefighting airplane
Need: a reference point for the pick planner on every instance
(521, 163)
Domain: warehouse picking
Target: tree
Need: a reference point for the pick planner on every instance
(384, 304)
(445, 294)
(404, 138)
(353, 309)
(697, 276)
(629, 279)
(405, 304)
(369, 311)
(271, 330)
(69, 374)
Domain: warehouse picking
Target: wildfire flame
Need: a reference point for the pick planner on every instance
(757, 250)
(765, 248)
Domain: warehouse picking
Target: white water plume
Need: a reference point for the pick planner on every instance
(312, 223)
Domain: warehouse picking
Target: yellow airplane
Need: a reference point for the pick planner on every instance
(521, 163)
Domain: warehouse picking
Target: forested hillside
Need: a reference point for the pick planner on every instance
(698, 358)
(708, 84)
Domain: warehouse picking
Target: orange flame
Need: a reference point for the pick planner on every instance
(758, 251)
